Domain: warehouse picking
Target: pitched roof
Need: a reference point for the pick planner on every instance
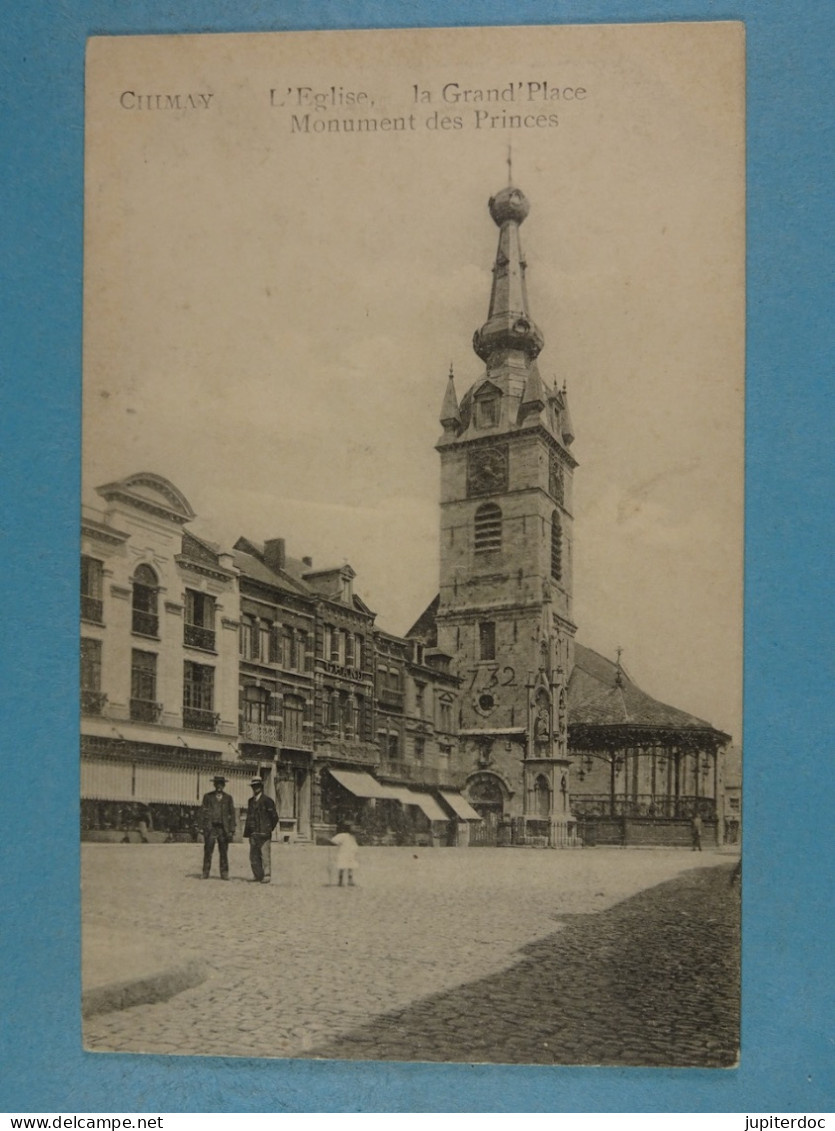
(249, 562)
(249, 558)
(425, 627)
(602, 695)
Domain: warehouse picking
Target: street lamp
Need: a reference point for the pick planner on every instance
(615, 762)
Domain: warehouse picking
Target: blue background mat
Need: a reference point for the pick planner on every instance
(787, 1062)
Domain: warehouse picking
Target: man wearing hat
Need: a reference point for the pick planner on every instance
(217, 820)
(261, 819)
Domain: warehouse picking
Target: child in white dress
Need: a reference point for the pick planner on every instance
(346, 856)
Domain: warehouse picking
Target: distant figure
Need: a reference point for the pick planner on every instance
(696, 830)
(346, 857)
(217, 821)
(261, 819)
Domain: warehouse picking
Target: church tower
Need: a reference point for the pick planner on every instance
(505, 607)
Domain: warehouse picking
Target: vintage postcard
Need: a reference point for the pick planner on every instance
(411, 580)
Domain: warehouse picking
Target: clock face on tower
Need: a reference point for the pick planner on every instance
(487, 471)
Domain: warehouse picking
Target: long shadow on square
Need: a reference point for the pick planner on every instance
(653, 981)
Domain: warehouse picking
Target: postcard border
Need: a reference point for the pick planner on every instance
(786, 1061)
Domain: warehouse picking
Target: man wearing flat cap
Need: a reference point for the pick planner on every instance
(217, 821)
(261, 819)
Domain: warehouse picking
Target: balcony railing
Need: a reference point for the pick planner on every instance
(296, 738)
(199, 637)
(92, 702)
(92, 608)
(265, 734)
(195, 718)
(146, 624)
(347, 671)
(145, 711)
(388, 697)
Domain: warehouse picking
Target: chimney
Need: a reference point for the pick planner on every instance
(274, 553)
(308, 562)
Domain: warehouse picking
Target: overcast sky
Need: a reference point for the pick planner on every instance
(270, 315)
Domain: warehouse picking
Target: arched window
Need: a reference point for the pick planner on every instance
(145, 620)
(486, 797)
(488, 528)
(92, 585)
(556, 547)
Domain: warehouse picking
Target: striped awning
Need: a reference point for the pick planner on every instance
(109, 779)
(104, 780)
(424, 801)
(459, 805)
(361, 784)
(174, 785)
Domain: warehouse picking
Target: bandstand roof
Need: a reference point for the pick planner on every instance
(606, 707)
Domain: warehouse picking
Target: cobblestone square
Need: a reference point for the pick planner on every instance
(551, 955)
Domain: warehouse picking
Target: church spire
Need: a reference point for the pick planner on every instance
(509, 326)
(533, 396)
(450, 413)
(567, 426)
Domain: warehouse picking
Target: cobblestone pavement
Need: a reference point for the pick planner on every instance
(305, 968)
(653, 982)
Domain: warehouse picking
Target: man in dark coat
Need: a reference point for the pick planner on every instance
(217, 822)
(261, 819)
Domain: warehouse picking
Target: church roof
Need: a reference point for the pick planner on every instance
(605, 706)
(425, 627)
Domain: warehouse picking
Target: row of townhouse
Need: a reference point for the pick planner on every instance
(196, 661)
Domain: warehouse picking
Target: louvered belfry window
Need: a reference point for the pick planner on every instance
(488, 528)
(556, 547)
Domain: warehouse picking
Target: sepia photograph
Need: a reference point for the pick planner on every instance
(412, 544)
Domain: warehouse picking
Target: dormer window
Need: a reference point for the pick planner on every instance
(487, 411)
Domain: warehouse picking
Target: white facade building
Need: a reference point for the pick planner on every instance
(159, 664)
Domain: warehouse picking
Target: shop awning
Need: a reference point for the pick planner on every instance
(460, 806)
(361, 784)
(106, 780)
(424, 801)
